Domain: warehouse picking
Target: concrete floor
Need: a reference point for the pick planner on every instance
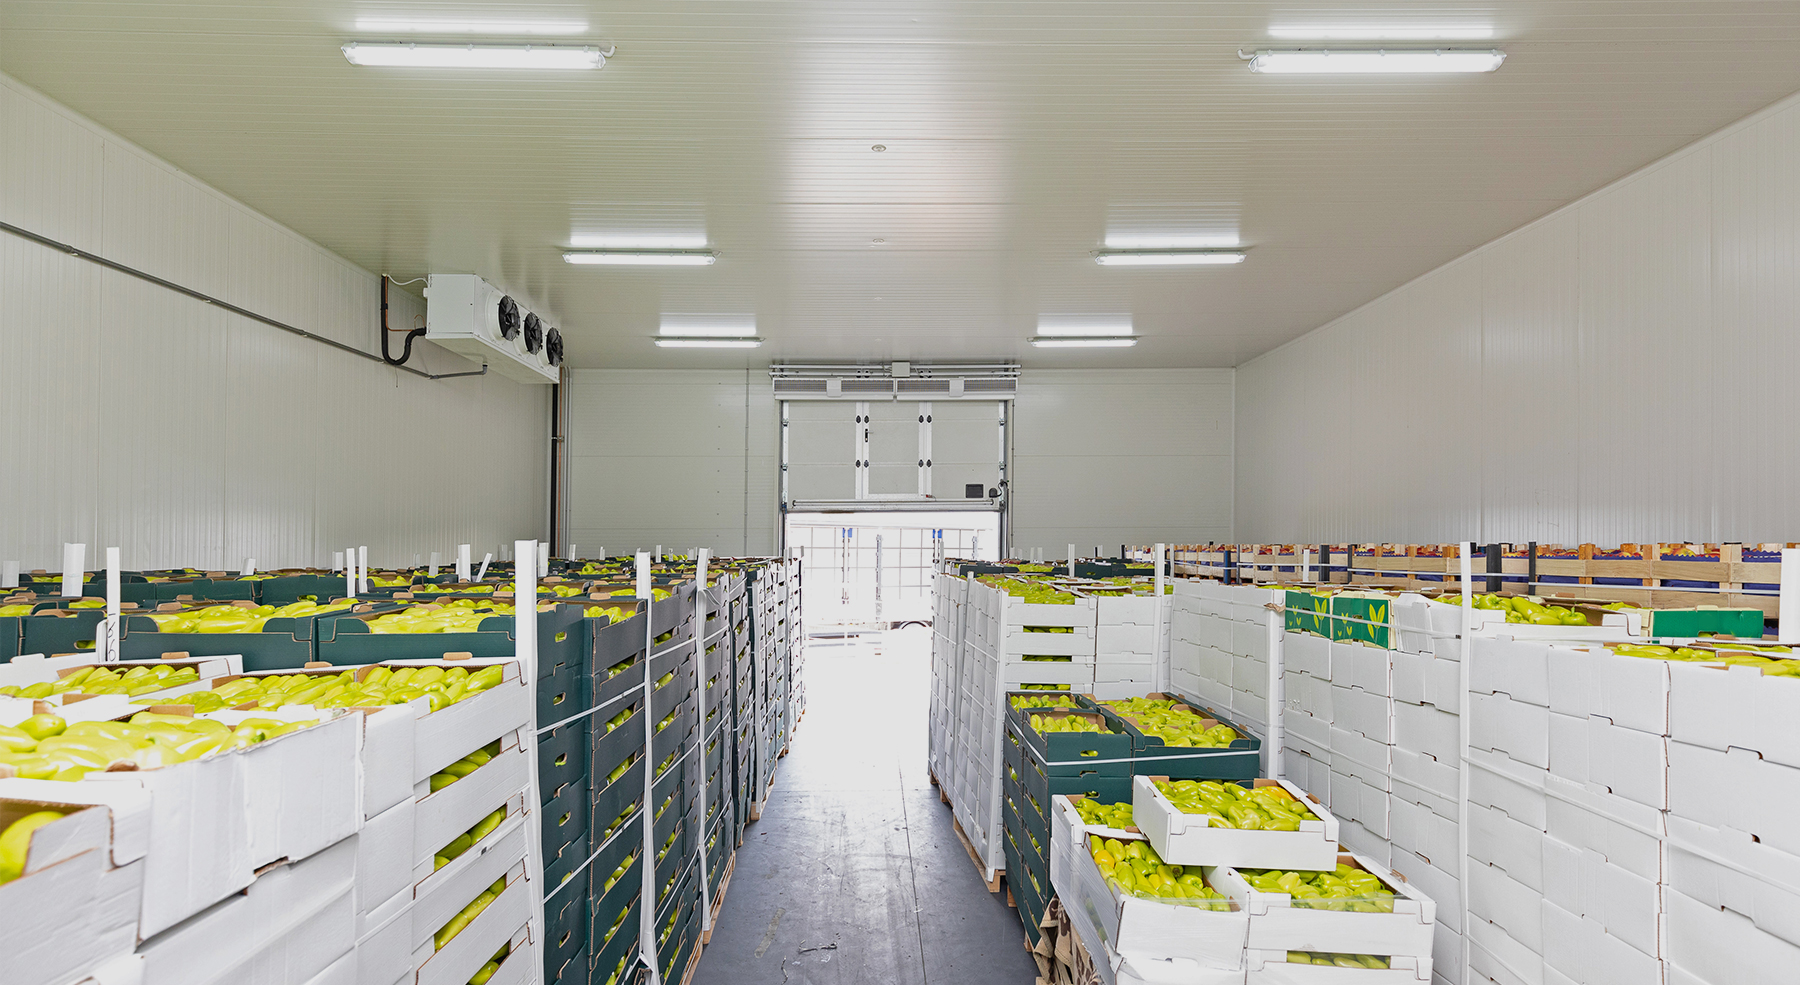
(853, 874)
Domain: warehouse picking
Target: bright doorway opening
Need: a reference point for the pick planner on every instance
(870, 571)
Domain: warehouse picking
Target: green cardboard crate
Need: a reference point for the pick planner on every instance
(1152, 756)
(1063, 753)
(1682, 623)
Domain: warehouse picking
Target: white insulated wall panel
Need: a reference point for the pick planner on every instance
(1616, 371)
(1121, 457)
(189, 436)
(678, 458)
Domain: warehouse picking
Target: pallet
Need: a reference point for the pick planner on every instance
(687, 976)
(994, 881)
(724, 883)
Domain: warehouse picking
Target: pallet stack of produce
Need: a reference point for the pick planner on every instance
(350, 797)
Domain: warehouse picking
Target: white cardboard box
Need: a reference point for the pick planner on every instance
(1759, 797)
(1737, 707)
(1518, 669)
(1160, 938)
(1515, 729)
(1360, 665)
(1423, 771)
(1273, 968)
(198, 851)
(1516, 789)
(1770, 902)
(302, 790)
(1356, 800)
(73, 909)
(1631, 692)
(1428, 680)
(1582, 951)
(1720, 947)
(1435, 882)
(439, 817)
(464, 954)
(1421, 830)
(1585, 883)
(293, 923)
(1500, 959)
(1514, 848)
(1595, 753)
(1365, 712)
(1307, 654)
(1277, 924)
(1510, 905)
(1186, 839)
(1427, 729)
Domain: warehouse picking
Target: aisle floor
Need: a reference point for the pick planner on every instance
(854, 874)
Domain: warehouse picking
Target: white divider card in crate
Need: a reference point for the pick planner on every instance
(1401, 926)
(1162, 939)
(1189, 839)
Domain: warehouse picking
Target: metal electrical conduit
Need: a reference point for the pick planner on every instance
(75, 251)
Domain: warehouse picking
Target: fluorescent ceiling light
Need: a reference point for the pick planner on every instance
(1382, 32)
(673, 343)
(1375, 61)
(1064, 342)
(1170, 241)
(1087, 326)
(642, 258)
(639, 241)
(452, 25)
(514, 56)
(708, 326)
(1168, 258)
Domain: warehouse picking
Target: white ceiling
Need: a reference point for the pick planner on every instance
(1020, 136)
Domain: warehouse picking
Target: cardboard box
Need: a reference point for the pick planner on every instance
(1631, 692)
(1734, 708)
(1721, 947)
(1515, 729)
(1164, 938)
(1510, 905)
(1439, 885)
(1768, 898)
(441, 816)
(75, 907)
(1425, 772)
(1428, 680)
(1354, 799)
(1500, 959)
(1360, 665)
(1586, 883)
(1595, 753)
(1307, 654)
(1186, 839)
(1273, 968)
(1421, 830)
(1584, 952)
(302, 788)
(294, 922)
(501, 922)
(1277, 923)
(1363, 712)
(1517, 669)
(1514, 848)
(1427, 729)
(1737, 790)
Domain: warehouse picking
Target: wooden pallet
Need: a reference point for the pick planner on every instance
(719, 903)
(993, 882)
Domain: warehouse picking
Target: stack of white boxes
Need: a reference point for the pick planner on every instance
(1362, 740)
(1218, 647)
(403, 900)
(1568, 786)
(1127, 650)
(1732, 894)
(1422, 808)
(302, 860)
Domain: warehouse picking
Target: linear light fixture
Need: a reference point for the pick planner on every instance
(1375, 61)
(514, 56)
(691, 326)
(1167, 258)
(1084, 326)
(642, 258)
(1382, 32)
(1070, 342)
(491, 28)
(668, 342)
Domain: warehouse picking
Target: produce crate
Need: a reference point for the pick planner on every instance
(51, 630)
(1062, 753)
(1186, 839)
(1279, 922)
(614, 946)
(566, 931)
(1239, 762)
(285, 643)
(562, 639)
(1072, 780)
